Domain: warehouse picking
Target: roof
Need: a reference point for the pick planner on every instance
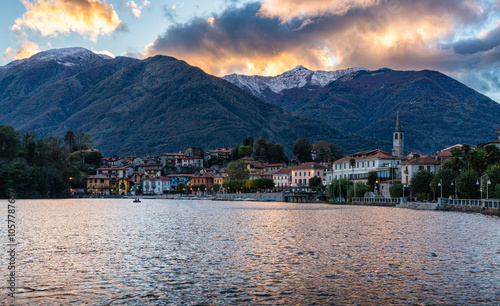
(97, 177)
(312, 165)
(284, 171)
(371, 154)
(173, 154)
(152, 178)
(152, 169)
(422, 160)
(221, 150)
(180, 175)
(274, 165)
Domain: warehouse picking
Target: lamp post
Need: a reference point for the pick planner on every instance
(480, 187)
(404, 185)
(454, 183)
(440, 184)
(488, 182)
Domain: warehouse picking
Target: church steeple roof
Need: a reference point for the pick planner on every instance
(398, 124)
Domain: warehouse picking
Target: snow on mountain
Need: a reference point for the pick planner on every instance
(66, 56)
(297, 77)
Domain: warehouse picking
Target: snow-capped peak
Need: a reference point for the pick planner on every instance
(295, 78)
(65, 56)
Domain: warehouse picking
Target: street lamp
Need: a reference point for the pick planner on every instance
(454, 183)
(480, 187)
(487, 188)
(404, 185)
(441, 185)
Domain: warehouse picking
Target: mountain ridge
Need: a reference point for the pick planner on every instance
(159, 104)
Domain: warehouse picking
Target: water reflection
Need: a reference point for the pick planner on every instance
(195, 252)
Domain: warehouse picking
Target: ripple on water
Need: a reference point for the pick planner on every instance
(203, 252)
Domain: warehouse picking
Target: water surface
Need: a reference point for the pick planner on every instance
(101, 251)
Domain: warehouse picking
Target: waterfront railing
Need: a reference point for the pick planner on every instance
(488, 203)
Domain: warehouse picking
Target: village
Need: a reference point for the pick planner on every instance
(186, 172)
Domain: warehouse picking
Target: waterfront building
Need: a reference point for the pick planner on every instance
(98, 184)
(283, 178)
(382, 163)
(303, 173)
(156, 185)
(175, 179)
(413, 165)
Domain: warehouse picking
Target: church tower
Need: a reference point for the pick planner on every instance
(398, 147)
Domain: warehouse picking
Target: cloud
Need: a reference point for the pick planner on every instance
(272, 36)
(485, 42)
(135, 8)
(24, 50)
(89, 18)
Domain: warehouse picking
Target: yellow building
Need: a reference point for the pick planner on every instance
(220, 178)
(121, 186)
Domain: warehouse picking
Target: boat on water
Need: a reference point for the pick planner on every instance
(269, 200)
(137, 200)
(250, 199)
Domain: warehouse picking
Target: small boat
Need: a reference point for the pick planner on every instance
(250, 199)
(137, 200)
(269, 200)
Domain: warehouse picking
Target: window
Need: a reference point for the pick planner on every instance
(362, 164)
(396, 136)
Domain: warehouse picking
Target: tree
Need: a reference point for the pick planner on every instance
(302, 150)
(244, 151)
(497, 191)
(234, 153)
(203, 187)
(493, 173)
(9, 141)
(371, 180)
(82, 141)
(261, 149)
(315, 181)
(216, 187)
(180, 187)
(323, 150)
(69, 140)
(420, 183)
(467, 184)
(276, 154)
(248, 142)
(195, 188)
(336, 151)
(360, 189)
(237, 170)
(396, 191)
(445, 177)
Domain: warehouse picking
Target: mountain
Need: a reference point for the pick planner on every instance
(435, 110)
(159, 104)
(267, 87)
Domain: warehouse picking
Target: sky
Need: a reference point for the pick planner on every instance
(460, 38)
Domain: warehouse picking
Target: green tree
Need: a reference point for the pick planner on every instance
(10, 141)
(234, 153)
(336, 151)
(497, 191)
(180, 187)
(244, 151)
(493, 173)
(237, 170)
(372, 178)
(361, 189)
(203, 188)
(69, 140)
(195, 188)
(216, 187)
(444, 177)
(396, 191)
(82, 141)
(467, 184)
(276, 154)
(315, 181)
(420, 183)
(248, 142)
(302, 150)
(261, 149)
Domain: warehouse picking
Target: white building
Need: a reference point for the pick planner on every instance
(283, 178)
(412, 166)
(155, 185)
(378, 161)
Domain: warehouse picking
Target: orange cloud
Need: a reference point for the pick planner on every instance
(90, 18)
(25, 50)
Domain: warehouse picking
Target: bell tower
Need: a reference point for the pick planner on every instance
(398, 147)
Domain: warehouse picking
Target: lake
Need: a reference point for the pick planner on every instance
(158, 252)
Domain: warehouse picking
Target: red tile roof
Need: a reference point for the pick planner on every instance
(364, 155)
(312, 165)
(422, 160)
